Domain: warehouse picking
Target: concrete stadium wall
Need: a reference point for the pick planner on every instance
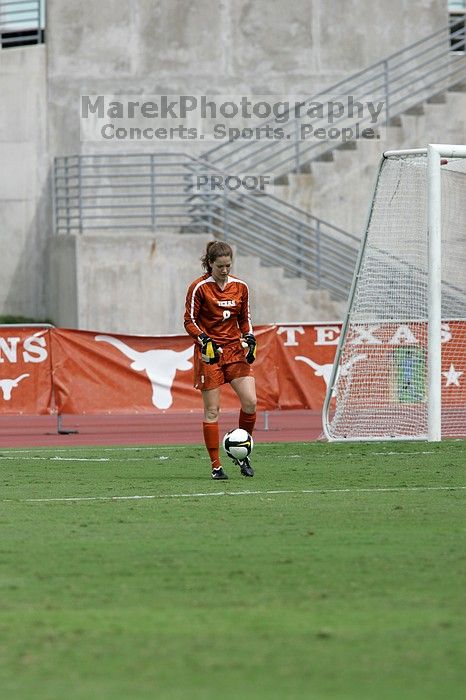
(62, 292)
(119, 283)
(163, 47)
(226, 47)
(25, 194)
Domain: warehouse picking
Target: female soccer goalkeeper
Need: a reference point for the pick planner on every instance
(217, 317)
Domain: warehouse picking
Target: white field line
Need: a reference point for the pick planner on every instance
(276, 492)
(61, 459)
(32, 455)
(33, 450)
(83, 459)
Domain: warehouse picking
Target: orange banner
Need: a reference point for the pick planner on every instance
(97, 373)
(25, 371)
(100, 373)
(305, 354)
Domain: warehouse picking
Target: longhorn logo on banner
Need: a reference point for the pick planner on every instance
(7, 385)
(325, 371)
(25, 371)
(160, 367)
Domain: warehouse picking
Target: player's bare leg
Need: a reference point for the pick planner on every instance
(211, 399)
(245, 388)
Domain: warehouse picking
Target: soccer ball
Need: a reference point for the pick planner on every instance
(238, 443)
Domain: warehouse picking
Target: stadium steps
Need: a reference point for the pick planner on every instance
(336, 183)
(276, 297)
(343, 186)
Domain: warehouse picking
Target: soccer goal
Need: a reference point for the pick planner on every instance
(400, 366)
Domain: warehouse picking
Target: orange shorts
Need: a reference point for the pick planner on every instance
(232, 364)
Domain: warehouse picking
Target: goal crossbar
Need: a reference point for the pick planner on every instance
(445, 151)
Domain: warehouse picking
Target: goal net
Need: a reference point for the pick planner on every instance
(400, 367)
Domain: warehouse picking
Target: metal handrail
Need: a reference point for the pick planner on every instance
(88, 196)
(269, 228)
(155, 191)
(386, 76)
(282, 209)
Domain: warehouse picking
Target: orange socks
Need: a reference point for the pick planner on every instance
(247, 421)
(211, 435)
(211, 440)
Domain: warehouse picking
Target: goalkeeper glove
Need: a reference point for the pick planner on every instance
(209, 349)
(252, 348)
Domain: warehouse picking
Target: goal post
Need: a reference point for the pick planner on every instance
(434, 319)
(400, 366)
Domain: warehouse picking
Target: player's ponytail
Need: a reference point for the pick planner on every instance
(214, 250)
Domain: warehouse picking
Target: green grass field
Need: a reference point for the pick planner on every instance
(336, 573)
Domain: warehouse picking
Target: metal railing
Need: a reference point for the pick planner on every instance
(401, 81)
(156, 192)
(307, 247)
(21, 22)
(130, 191)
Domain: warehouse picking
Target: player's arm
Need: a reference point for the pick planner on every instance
(191, 311)
(210, 351)
(245, 325)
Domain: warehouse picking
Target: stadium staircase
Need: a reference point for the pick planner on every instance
(403, 81)
(156, 191)
(422, 87)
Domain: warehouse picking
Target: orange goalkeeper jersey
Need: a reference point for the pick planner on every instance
(223, 314)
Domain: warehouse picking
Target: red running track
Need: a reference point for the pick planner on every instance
(161, 429)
